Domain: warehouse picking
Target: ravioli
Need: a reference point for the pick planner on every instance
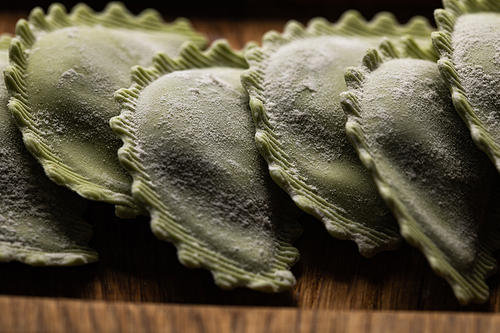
(442, 189)
(188, 143)
(64, 71)
(40, 222)
(294, 82)
(468, 43)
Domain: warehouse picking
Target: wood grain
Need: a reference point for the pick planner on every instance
(136, 267)
(58, 316)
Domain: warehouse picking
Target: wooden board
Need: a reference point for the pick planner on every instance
(61, 316)
(337, 287)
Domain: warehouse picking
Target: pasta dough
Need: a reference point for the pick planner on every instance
(294, 82)
(188, 143)
(468, 43)
(64, 71)
(40, 222)
(442, 189)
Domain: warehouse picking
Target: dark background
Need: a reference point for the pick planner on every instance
(253, 9)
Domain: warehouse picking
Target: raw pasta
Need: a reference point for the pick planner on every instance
(64, 71)
(294, 82)
(40, 222)
(188, 143)
(442, 189)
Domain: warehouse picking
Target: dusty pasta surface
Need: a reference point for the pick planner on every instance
(63, 73)
(442, 189)
(188, 143)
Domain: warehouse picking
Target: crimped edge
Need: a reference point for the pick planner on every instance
(383, 24)
(280, 165)
(467, 287)
(5, 40)
(191, 253)
(115, 15)
(442, 41)
(78, 254)
(34, 257)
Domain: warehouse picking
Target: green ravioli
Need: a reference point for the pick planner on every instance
(468, 43)
(188, 143)
(294, 82)
(64, 71)
(40, 222)
(442, 189)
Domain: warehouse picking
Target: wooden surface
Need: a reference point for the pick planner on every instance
(334, 281)
(62, 316)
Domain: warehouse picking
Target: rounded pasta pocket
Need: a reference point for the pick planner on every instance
(188, 143)
(294, 82)
(441, 188)
(64, 69)
(40, 222)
